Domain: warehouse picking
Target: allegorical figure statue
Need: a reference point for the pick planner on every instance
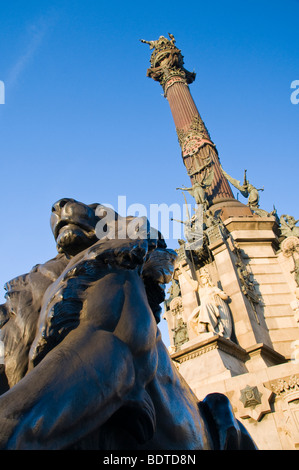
(288, 226)
(213, 314)
(246, 189)
(84, 361)
(199, 189)
(290, 248)
(193, 229)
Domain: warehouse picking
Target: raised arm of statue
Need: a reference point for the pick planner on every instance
(194, 284)
(237, 184)
(190, 190)
(152, 44)
(180, 221)
(185, 189)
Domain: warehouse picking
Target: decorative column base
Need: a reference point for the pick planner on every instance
(226, 208)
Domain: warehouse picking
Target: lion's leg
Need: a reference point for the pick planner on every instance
(73, 390)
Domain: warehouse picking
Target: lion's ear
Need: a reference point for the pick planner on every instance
(125, 253)
(94, 205)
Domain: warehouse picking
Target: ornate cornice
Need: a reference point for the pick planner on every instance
(171, 78)
(285, 385)
(215, 342)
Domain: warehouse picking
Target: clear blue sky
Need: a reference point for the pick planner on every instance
(82, 120)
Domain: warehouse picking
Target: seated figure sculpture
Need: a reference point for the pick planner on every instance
(84, 361)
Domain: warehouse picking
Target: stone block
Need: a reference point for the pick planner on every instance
(257, 250)
(258, 267)
(210, 360)
(274, 288)
(264, 261)
(278, 299)
(253, 235)
(271, 311)
(278, 323)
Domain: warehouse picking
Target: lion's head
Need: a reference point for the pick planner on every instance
(73, 225)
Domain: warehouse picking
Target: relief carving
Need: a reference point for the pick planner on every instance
(254, 402)
(194, 138)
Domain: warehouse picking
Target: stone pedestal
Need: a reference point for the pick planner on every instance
(211, 358)
(257, 242)
(258, 366)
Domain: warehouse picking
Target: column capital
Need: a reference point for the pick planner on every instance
(167, 63)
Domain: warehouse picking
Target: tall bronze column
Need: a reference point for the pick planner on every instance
(199, 153)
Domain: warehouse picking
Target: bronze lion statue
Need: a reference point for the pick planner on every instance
(85, 366)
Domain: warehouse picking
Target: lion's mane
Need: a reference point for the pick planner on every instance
(63, 309)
